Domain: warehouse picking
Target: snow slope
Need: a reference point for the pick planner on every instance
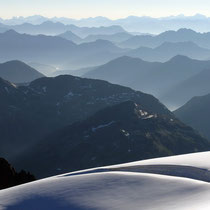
(175, 183)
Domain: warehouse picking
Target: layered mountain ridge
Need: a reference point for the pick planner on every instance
(117, 134)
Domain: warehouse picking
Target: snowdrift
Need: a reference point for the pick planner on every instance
(175, 183)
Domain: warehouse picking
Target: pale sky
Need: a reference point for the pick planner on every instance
(109, 8)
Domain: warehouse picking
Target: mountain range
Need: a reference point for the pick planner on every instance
(55, 51)
(64, 54)
(72, 109)
(53, 125)
(115, 38)
(32, 48)
(168, 50)
(181, 35)
(51, 28)
(152, 77)
(53, 103)
(143, 24)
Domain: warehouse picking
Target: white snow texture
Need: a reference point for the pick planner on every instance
(171, 183)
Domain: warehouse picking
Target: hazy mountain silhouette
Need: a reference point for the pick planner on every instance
(3, 28)
(116, 38)
(196, 85)
(196, 113)
(29, 48)
(182, 35)
(56, 51)
(34, 19)
(18, 72)
(43, 68)
(118, 134)
(64, 54)
(51, 28)
(167, 50)
(151, 77)
(71, 36)
(77, 72)
(143, 24)
(94, 54)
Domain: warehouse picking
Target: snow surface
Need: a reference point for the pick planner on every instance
(102, 126)
(120, 187)
(199, 160)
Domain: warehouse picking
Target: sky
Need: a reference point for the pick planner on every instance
(109, 8)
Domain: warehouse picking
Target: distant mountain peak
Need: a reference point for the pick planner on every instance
(50, 23)
(11, 32)
(179, 58)
(186, 30)
(18, 72)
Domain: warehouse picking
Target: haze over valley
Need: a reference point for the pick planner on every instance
(104, 108)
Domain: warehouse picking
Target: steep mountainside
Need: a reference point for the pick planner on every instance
(28, 113)
(18, 72)
(117, 134)
(196, 113)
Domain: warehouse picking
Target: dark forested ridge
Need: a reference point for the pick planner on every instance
(9, 177)
(117, 134)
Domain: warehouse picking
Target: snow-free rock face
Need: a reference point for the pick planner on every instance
(120, 187)
(117, 134)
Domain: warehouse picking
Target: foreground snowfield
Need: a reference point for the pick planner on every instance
(178, 182)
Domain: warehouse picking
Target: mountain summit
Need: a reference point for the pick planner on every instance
(18, 72)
